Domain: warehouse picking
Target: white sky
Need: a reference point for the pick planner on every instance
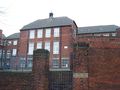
(18, 13)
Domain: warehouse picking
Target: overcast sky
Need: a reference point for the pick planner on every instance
(18, 13)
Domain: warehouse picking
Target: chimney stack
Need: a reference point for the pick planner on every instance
(51, 15)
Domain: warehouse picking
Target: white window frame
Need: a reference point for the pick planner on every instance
(14, 52)
(48, 32)
(30, 48)
(56, 32)
(15, 42)
(39, 33)
(47, 45)
(56, 47)
(39, 45)
(32, 34)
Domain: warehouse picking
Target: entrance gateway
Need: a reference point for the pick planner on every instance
(60, 80)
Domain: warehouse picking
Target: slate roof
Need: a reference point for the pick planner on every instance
(97, 29)
(13, 36)
(49, 22)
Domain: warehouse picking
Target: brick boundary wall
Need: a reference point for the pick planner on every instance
(35, 80)
(93, 69)
(16, 81)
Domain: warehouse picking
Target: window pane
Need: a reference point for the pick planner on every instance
(47, 46)
(97, 34)
(39, 45)
(106, 34)
(29, 63)
(0, 53)
(30, 48)
(55, 63)
(22, 63)
(40, 33)
(113, 34)
(15, 42)
(14, 52)
(8, 54)
(56, 32)
(9, 42)
(56, 48)
(48, 32)
(32, 34)
(65, 63)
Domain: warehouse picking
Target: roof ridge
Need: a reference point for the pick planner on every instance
(98, 26)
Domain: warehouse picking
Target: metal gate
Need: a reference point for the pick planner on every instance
(60, 80)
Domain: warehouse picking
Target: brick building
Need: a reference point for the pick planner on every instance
(9, 50)
(54, 34)
(57, 34)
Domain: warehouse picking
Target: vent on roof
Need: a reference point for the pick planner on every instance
(51, 15)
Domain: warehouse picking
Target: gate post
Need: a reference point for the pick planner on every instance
(40, 69)
(81, 67)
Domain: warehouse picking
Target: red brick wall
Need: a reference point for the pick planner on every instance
(1, 39)
(15, 81)
(102, 62)
(0, 34)
(101, 42)
(23, 43)
(66, 40)
(104, 69)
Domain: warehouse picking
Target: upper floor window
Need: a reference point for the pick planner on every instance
(40, 33)
(56, 32)
(15, 42)
(30, 48)
(97, 34)
(48, 32)
(106, 34)
(47, 46)
(113, 34)
(56, 47)
(14, 52)
(32, 34)
(39, 45)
